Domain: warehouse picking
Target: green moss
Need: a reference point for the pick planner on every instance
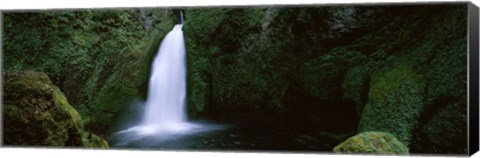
(112, 87)
(196, 36)
(395, 100)
(62, 104)
(372, 143)
(219, 69)
(37, 113)
(115, 94)
(441, 63)
(323, 76)
(443, 130)
(94, 141)
(356, 84)
(82, 50)
(74, 124)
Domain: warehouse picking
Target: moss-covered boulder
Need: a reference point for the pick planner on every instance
(395, 100)
(37, 113)
(372, 142)
(94, 141)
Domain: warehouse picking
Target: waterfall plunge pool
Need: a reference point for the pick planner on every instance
(165, 126)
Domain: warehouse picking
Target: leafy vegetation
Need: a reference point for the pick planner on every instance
(97, 57)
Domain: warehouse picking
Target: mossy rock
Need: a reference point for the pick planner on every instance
(37, 113)
(94, 141)
(73, 124)
(373, 143)
(356, 85)
(395, 100)
(219, 70)
(114, 95)
(323, 77)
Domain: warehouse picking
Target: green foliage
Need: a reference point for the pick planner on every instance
(86, 53)
(372, 143)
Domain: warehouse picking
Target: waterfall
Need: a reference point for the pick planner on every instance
(165, 108)
(165, 104)
(166, 101)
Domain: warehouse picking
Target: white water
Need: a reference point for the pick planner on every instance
(165, 106)
(166, 89)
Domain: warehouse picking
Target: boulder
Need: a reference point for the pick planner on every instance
(37, 113)
(372, 142)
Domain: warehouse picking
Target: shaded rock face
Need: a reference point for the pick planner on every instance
(431, 79)
(395, 69)
(245, 63)
(37, 113)
(373, 143)
(442, 130)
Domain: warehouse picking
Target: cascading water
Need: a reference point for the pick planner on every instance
(165, 115)
(165, 106)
